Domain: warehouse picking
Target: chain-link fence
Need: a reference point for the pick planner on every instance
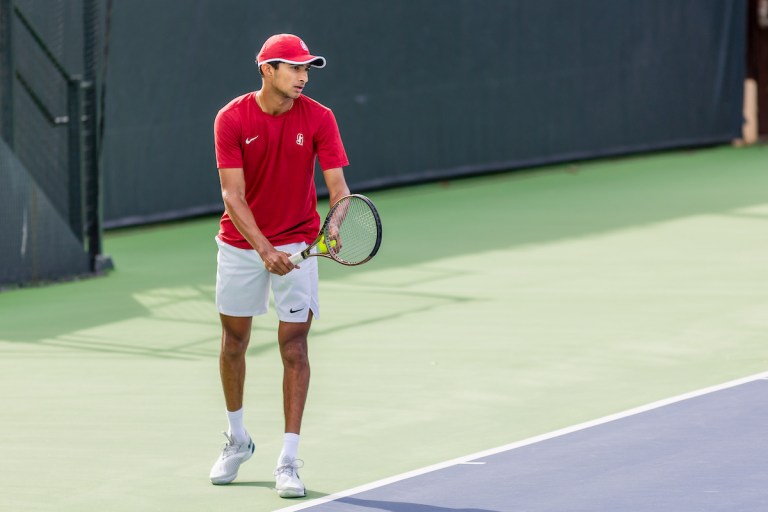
(49, 63)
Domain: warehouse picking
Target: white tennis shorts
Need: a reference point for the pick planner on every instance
(243, 284)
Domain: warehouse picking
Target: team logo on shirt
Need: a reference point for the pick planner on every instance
(300, 139)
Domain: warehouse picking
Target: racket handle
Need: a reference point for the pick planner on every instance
(296, 258)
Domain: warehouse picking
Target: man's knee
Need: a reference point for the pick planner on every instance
(234, 344)
(236, 333)
(294, 351)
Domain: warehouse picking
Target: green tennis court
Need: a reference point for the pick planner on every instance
(498, 308)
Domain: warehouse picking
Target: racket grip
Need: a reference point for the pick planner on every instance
(296, 258)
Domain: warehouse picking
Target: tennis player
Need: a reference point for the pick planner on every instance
(266, 145)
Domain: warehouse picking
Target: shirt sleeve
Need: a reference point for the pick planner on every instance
(226, 133)
(330, 149)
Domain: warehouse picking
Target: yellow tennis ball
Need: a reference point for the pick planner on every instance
(324, 248)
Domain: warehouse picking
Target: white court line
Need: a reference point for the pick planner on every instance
(531, 440)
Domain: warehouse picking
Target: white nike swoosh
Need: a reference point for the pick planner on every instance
(248, 141)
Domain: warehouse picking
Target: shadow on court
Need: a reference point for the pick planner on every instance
(420, 224)
(565, 201)
(263, 484)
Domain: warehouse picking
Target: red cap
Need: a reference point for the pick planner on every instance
(287, 48)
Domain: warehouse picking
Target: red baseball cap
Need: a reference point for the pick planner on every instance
(288, 48)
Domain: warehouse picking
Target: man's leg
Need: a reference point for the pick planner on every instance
(292, 337)
(236, 332)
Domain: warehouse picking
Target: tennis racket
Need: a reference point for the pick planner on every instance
(351, 233)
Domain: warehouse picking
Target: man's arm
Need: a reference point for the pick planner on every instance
(337, 185)
(233, 194)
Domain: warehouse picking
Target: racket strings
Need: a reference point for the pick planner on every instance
(354, 227)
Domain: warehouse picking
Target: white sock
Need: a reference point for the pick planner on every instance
(236, 428)
(290, 447)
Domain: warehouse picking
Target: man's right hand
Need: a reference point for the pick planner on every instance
(277, 262)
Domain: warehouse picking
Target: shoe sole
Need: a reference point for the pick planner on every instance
(227, 479)
(291, 493)
(223, 482)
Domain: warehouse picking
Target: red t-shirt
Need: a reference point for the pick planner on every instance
(277, 155)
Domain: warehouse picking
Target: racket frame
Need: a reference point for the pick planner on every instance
(306, 253)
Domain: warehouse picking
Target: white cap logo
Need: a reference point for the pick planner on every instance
(303, 45)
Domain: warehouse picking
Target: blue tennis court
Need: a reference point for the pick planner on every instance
(704, 451)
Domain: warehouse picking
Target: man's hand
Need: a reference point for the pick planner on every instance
(277, 262)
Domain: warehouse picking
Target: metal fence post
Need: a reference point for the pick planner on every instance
(93, 212)
(75, 161)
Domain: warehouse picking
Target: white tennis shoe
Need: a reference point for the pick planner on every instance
(233, 454)
(287, 481)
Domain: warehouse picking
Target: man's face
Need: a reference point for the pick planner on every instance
(290, 79)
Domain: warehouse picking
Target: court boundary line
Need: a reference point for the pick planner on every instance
(526, 442)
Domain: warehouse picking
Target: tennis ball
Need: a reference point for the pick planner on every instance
(324, 248)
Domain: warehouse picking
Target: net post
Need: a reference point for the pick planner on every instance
(7, 72)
